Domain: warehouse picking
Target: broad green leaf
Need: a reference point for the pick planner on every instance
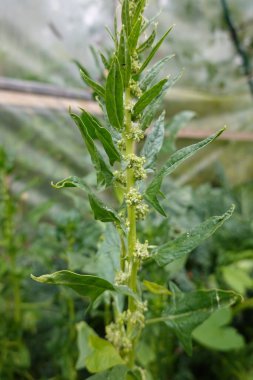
(153, 189)
(103, 356)
(151, 111)
(124, 58)
(103, 135)
(108, 255)
(101, 211)
(97, 88)
(84, 331)
(187, 242)
(154, 142)
(148, 43)
(116, 373)
(84, 285)
(153, 52)
(215, 334)
(114, 96)
(152, 73)
(148, 97)
(178, 122)
(186, 311)
(155, 288)
(104, 175)
(134, 35)
(95, 354)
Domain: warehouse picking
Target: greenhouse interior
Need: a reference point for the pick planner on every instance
(126, 190)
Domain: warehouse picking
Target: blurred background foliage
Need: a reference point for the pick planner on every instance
(40, 228)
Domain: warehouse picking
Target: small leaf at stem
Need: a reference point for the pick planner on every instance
(148, 43)
(97, 88)
(148, 97)
(187, 242)
(94, 127)
(152, 73)
(104, 175)
(153, 189)
(114, 95)
(154, 288)
(154, 142)
(153, 51)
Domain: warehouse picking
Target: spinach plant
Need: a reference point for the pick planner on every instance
(130, 100)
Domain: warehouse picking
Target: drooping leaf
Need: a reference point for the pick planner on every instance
(153, 189)
(155, 288)
(185, 243)
(177, 123)
(114, 95)
(104, 175)
(104, 136)
(148, 97)
(97, 88)
(153, 51)
(95, 354)
(101, 211)
(152, 73)
(186, 311)
(151, 111)
(71, 182)
(85, 285)
(148, 43)
(116, 373)
(215, 333)
(154, 142)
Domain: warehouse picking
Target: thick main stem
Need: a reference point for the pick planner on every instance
(130, 148)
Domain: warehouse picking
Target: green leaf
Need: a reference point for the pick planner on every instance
(97, 88)
(101, 211)
(148, 97)
(139, 10)
(178, 122)
(154, 142)
(125, 17)
(95, 353)
(103, 357)
(152, 73)
(155, 288)
(103, 135)
(116, 373)
(134, 35)
(154, 106)
(84, 285)
(124, 58)
(186, 311)
(71, 182)
(216, 335)
(114, 96)
(108, 254)
(148, 43)
(104, 175)
(187, 242)
(174, 161)
(237, 278)
(153, 51)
